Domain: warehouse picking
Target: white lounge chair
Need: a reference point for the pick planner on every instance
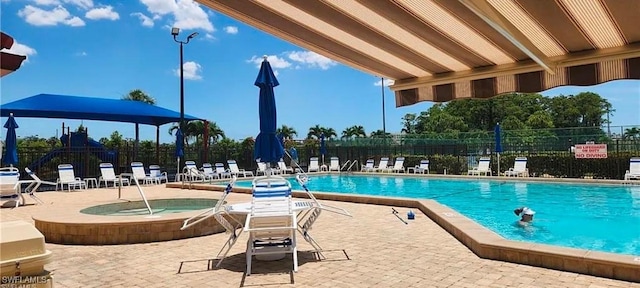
(398, 166)
(34, 185)
(221, 172)
(422, 168)
(208, 171)
(233, 168)
(383, 165)
(9, 186)
(334, 165)
(68, 177)
(283, 167)
(482, 168)
(272, 222)
(192, 173)
(108, 175)
(137, 168)
(262, 168)
(634, 169)
(519, 168)
(157, 175)
(369, 166)
(313, 165)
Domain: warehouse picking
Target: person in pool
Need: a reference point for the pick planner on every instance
(526, 215)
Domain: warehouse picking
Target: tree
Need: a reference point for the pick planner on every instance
(409, 123)
(140, 96)
(380, 134)
(329, 133)
(194, 130)
(354, 131)
(632, 133)
(115, 140)
(287, 132)
(314, 132)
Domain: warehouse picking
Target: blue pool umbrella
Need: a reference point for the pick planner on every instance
(268, 147)
(323, 148)
(496, 132)
(179, 148)
(11, 142)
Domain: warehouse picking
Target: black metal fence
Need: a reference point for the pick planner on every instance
(548, 152)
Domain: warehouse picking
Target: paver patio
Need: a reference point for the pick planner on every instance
(382, 252)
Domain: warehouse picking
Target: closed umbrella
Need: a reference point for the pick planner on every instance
(11, 142)
(323, 148)
(496, 132)
(179, 149)
(268, 147)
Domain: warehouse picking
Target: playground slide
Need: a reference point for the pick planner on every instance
(102, 153)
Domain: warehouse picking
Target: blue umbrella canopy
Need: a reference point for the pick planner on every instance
(11, 142)
(268, 147)
(179, 143)
(496, 131)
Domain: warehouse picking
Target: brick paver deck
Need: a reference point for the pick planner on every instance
(382, 252)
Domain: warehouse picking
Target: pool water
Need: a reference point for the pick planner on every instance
(587, 216)
(158, 206)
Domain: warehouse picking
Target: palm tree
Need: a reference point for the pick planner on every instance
(380, 134)
(195, 130)
(632, 133)
(354, 131)
(140, 96)
(314, 132)
(287, 132)
(329, 133)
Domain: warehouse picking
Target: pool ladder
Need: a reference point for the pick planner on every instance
(350, 163)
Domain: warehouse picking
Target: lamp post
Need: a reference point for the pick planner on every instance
(175, 31)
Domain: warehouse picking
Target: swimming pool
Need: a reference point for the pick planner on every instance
(586, 216)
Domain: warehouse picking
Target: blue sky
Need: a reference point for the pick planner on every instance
(105, 49)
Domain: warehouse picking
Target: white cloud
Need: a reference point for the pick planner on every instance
(47, 2)
(40, 17)
(387, 82)
(231, 29)
(105, 12)
(311, 59)
(275, 61)
(187, 14)
(85, 4)
(81, 53)
(191, 71)
(209, 36)
(146, 21)
(21, 49)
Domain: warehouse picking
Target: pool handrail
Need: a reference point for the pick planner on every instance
(135, 179)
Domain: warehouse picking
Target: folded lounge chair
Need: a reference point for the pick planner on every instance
(634, 169)
(233, 168)
(482, 168)
(519, 168)
(34, 185)
(271, 224)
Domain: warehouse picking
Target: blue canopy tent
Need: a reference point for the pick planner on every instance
(88, 108)
(268, 147)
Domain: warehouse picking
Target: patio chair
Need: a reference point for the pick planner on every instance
(313, 165)
(283, 167)
(634, 169)
(233, 168)
(157, 175)
(334, 165)
(422, 168)
(271, 224)
(382, 165)
(482, 168)
(68, 177)
(262, 168)
(519, 168)
(35, 184)
(192, 173)
(208, 171)
(398, 166)
(221, 172)
(137, 168)
(368, 167)
(9, 185)
(109, 175)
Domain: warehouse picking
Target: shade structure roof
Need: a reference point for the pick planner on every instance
(441, 50)
(87, 108)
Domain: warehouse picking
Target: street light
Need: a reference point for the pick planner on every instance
(175, 31)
